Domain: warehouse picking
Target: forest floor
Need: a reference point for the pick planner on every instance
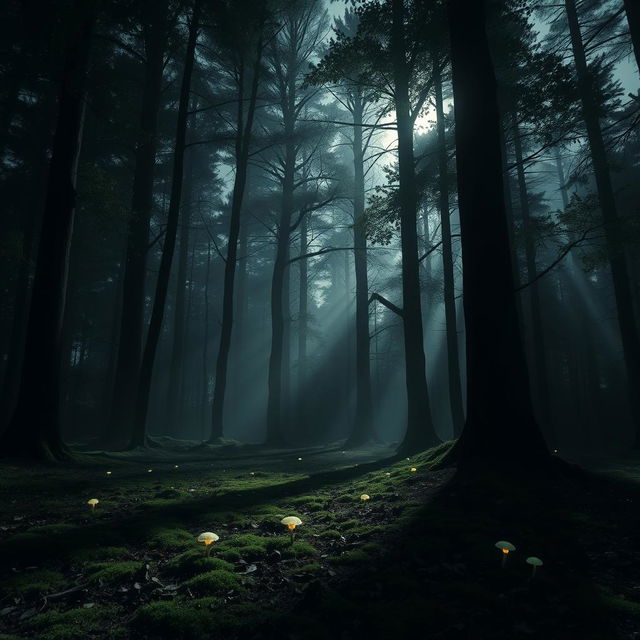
(416, 559)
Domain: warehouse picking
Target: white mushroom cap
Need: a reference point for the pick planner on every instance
(536, 562)
(504, 544)
(93, 502)
(208, 537)
(364, 496)
(291, 520)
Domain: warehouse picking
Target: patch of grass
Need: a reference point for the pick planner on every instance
(76, 624)
(299, 549)
(330, 534)
(173, 620)
(169, 539)
(31, 584)
(215, 582)
(192, 562)
(99, 554)
(619, 603)
(114, 572)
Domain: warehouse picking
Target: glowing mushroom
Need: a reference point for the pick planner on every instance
(506, 547)
(92, 503)
(413, 469)
(108, 473)
(208, 538)
(149, 470)
(291, 523)
(364, 497)
(535, 563)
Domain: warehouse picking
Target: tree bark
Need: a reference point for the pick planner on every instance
(619, 271)
(34, 431)
(453, 357)
(243, 142)
(128, 365)
(279, 295)
(500, 426)
(362, 426)
(138, 438)
(174, 392)
(537, 333)
(303, 319)
(420, 432)
(632, 9)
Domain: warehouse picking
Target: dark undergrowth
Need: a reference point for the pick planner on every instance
(417, 559)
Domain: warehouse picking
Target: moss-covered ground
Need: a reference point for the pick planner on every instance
(415, 560)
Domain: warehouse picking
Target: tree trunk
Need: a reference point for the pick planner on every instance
(420, 432)
(362, 426)
(453, 357)
(174, 392)
(125, 390)
(500, 426)
(34, 431)
(205, 342)
(303, 319)
(614, 239)
(562, 182)
(280, 298)
(537, 333)
(138, 438)
(632, 9)
(243, 142)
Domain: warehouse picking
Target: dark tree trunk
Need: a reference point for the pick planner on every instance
(30, 234)
(138, 438)
(562, 181)
(537, 333)
(420, 432)
(362, 427)
(500, 426)
(280, 297)
(205, 344)
(614, 239)
(174, 392)
(131, 331)
(34, 431)
(243, 142)
(632, 8)
(453, 357)
(303, 323)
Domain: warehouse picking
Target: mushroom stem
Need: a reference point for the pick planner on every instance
(207, 550)
(533, 571)
(505, 553)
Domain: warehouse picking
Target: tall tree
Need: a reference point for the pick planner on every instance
(248, 52)
(453, 356)
(420, 432)
(155, 27)
(138, 436)
(619, 271)
(632, 10)
(500, 425)
(34, 431)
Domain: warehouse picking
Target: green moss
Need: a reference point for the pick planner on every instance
(330, 534)
(311, 569)
(349, 524)
(173, 620)
(299, 549)
(230, 555)
(170, 539)
(31, 584)
(253, 552)
(619, 603)
(193, 562)
(214, 582)
(113, 572)
(99, 554)
(76, 624)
